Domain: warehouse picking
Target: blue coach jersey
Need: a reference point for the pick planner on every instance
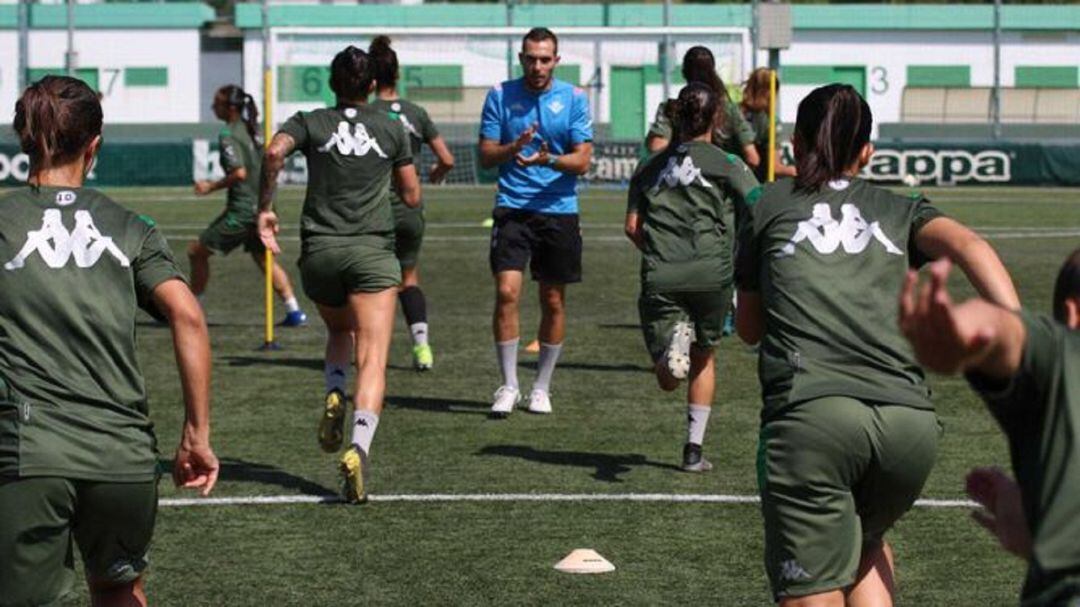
(561, 114)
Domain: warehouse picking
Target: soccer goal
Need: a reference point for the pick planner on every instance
(450, 70)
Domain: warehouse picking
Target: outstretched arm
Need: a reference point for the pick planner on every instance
(195, 464)
(944, 237)
(273, 162)
(972, 336)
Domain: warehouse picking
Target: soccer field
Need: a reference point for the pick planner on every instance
(612, 434)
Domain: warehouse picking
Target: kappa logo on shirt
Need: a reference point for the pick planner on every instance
(409, 126)
(556, 106)
(355, 143)
(826, 234)
(56, 245)
(679, 174)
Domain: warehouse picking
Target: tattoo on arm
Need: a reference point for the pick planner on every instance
(273, 162)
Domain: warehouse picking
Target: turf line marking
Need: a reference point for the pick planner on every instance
(509, 497)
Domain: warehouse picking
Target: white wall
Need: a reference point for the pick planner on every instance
(111, 51)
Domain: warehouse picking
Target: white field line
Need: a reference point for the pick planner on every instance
(509, 497)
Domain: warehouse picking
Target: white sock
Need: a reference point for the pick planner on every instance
(291, 305)
(507, 352)
(697, 417)
(363, 430)
(335, 376)
(549, 355)
(419, 332)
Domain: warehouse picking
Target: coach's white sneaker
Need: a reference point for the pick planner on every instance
(678, 352)
(539, 402)
(505, 399)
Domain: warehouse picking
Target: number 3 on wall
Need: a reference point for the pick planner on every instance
(879, 80)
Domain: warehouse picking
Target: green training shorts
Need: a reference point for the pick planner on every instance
(112, 523)
(329, 275)
(835, 474)
(408, 234)
(659, 312)
(226, 233)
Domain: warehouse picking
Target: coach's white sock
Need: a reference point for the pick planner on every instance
(507, 352)
(697, 417)
(545, 368)
(364, 425)
(291, 305)
(419, 332)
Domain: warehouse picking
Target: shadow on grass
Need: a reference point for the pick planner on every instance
(532, 364)
(251, 472)
(608, 466)
(439, 405)
(272, 361)
(617, 325)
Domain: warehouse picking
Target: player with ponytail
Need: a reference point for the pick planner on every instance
(849, 434)
(409, 222)
(677, 216)
(240, 150)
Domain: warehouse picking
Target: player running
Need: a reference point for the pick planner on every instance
(347, 261)
(537, 130)
(732, 132)
(1027, 369)
(241, 159)
(408, 221)
(676, 216)
(848, 433)
(78, 456)
(755, 109)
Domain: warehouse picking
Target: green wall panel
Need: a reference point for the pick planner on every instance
(1058, 77)
(146, 76)
(939, 75)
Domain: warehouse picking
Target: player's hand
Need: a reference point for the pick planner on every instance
(267, 222)
(946, 337)
(541, 157)
(523, 139)
(1003, 510)
(203, 187)
(195, 466)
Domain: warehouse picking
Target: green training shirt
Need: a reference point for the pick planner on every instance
(75, 265)
(238, 151)
(351, 152)
(735, 134)
(829, 266)
(682, 194)
(418, 126)
(1039, 411)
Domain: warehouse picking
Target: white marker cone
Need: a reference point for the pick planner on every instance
(584, 560)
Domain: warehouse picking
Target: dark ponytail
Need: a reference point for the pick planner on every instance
(235, 97)
(831, 129)
(693, 113)
(351, 74)
(385, 68)
(56, 118)
(699, 65)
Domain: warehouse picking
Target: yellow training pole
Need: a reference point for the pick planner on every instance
(269, 255)
(771, 153)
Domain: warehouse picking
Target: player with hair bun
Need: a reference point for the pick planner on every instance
(241, 159)
(676, 215)
(78, 455)
(408, 221)
(848, 431)
(347, 262)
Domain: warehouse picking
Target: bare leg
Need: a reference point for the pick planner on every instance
(373, 317)
(103, 594)
(553, 313)
(875, 583)
(702, 388)
(505, 324)
(833, 598)
(199, 259)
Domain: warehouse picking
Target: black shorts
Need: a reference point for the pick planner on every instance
(549, 243)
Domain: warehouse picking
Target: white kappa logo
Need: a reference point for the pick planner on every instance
(676, 174)
(792, 570)
(356, 143)
(826, 234)
(56, 245)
